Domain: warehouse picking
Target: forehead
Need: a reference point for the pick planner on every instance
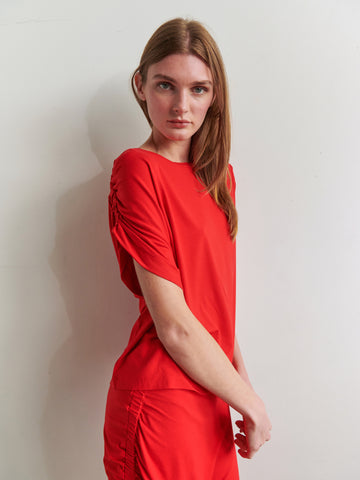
(181, 67)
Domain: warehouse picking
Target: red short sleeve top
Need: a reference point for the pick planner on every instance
(161, 215)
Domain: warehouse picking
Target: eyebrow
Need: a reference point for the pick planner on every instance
(170, 79)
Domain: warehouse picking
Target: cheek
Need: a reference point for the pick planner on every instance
(156, 105)
(202, 110)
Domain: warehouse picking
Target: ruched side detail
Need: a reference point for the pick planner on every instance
(134, 410)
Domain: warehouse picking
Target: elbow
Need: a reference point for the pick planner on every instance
(174, 338)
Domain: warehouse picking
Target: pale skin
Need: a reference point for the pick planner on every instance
(177, 89)
(178, 92)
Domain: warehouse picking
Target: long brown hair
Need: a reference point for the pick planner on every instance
(210, 145)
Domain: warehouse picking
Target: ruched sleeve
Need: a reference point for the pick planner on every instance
(138, 222)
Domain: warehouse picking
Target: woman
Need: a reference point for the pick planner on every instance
(173, 223)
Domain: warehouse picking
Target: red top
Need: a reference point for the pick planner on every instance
(161, 215)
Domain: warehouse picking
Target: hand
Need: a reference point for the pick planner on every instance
(254, 431)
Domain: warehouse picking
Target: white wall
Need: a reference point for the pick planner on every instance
(67, 112)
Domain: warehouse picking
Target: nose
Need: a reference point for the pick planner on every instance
(180, 104)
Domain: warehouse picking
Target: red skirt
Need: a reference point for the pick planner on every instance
(168, 434)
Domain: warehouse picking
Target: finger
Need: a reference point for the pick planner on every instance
(245, 450)
(245, 454)
(241, 440)
(240, 424)
(254, 447)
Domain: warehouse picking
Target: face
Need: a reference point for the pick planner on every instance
(178, 92)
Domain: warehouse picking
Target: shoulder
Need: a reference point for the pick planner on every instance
(132, 159)
(133, 163)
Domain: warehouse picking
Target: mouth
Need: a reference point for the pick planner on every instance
(179, 123)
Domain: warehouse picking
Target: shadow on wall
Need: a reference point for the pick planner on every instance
(100, 308)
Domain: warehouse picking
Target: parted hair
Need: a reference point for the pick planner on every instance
(210, 145)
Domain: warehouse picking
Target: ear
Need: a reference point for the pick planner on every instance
(139, 86)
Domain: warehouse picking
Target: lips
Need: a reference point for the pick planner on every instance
(179, 122)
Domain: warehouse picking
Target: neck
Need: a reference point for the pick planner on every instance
(175, 150)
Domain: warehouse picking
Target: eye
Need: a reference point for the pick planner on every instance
(164, 85)
(199, 90)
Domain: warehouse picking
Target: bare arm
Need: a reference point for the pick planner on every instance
(193, 348)
(239, 364)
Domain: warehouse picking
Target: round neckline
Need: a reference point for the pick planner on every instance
(162, 156)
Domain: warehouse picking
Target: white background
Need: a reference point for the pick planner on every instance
(67, 112)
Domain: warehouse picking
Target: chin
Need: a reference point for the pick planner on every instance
(179, 136)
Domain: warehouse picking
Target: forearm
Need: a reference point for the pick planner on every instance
(239, 364)
(201, 357)
(190, 345)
